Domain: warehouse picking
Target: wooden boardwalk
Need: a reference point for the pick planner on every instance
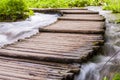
(57, 51)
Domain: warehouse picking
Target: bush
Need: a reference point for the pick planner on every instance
(113, 5)
(13, 10)
(78, 3)
(116, 76)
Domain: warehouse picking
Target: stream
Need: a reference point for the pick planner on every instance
(108, 64)
(13, 31)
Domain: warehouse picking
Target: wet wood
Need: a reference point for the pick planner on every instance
(57, 51)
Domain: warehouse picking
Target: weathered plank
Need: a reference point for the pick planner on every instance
(21, 69)
(82, 17)
(75, 27)
(55, 47)
(78, 12)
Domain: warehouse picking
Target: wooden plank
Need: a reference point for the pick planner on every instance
(82, 17)
(22, 69)
(78, 12)
(56, 47)
(54, 10)
(43, 57)
(65, 10)
(85, 27)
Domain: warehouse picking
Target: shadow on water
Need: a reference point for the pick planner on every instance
(109, 63)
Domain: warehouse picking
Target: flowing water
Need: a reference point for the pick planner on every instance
(109, 63)
(12, 31)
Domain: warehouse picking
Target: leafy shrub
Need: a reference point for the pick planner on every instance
(79, 3)
(113, 5)
(96, 2)
(116, 76)
(13, 10)
(105, 78)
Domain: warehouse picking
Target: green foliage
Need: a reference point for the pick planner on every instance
(78, 3)
(48, 4)
(57, 3)
(113, 5)
(105, 78)
(62, 3)
(13, 10)
(96, 2)
(116, 76)
(117, 21)
(17, 9)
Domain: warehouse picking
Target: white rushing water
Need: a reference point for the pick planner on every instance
(104, 65)
(12, 31)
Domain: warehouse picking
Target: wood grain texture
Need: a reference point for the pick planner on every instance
(84, 27)
(82, 17)
(78, 12)
(21, 69)
(54, 47)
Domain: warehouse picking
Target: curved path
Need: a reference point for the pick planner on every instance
(56, 52)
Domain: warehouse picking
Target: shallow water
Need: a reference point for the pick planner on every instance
(108, 64)
(12, 31)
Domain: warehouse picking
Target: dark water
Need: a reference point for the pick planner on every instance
(108, 64)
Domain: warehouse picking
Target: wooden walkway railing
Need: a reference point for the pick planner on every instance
(57, 51)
